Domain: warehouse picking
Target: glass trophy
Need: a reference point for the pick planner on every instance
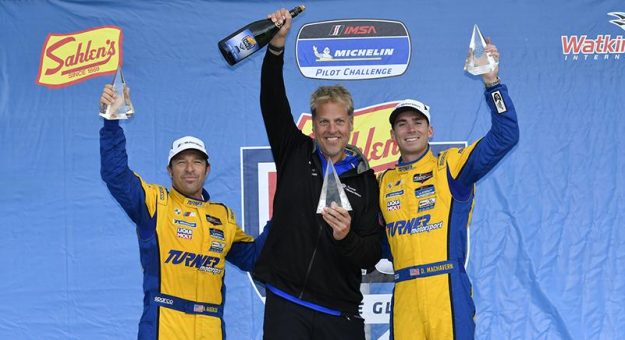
(332, 190)
(478, 62)
(122, 108)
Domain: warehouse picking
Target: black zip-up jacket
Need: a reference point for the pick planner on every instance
(300, 256)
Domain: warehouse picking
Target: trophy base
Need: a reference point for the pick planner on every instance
(481, 66)
(114, 116)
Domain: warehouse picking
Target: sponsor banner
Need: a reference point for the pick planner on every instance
(73, 57)
(353, 49)
(608, 45)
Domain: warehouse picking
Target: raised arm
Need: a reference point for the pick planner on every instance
(123, 184)
(281, 129)
(482, 156)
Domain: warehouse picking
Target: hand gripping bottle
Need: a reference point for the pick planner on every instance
(250, 38)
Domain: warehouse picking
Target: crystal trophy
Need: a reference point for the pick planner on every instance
(478, 62)
(332, 190)
(122, 108)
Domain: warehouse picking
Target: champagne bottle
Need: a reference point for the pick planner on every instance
(250, 38)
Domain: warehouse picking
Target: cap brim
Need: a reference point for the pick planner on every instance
(188, 147)
(397, 111)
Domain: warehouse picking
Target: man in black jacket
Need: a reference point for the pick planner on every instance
(311, 263)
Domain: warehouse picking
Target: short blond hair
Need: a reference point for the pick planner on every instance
(334, 94)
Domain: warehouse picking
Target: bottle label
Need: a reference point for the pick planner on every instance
(242, 45)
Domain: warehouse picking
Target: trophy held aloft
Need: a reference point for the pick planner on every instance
(122, 107)
(478, 61)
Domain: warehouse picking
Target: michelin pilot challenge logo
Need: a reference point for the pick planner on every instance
(353, 49)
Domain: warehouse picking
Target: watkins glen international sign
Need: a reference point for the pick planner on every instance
(603, 46)
(73, 57)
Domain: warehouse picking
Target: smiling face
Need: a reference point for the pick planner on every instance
(412, 132)
(188, 171)
(332, 126)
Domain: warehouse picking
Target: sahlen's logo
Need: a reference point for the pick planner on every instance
(601, 47)
(353, 49)
(69, 58)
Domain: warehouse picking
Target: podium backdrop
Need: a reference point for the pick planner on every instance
(547, 244)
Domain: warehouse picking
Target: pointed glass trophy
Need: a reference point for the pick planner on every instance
(478, 62)
(122, 108)
(332, 190)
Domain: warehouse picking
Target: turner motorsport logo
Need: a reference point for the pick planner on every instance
(73, 57)
(353, 49)
(600, 47)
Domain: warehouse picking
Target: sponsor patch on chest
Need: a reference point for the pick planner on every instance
(185, 223)
(216, 233)
(213, 220)
(217, 247)
(421, 178)
(426, 204)
(393, 205)
(424, 191)
(394, 193)
(185, 233)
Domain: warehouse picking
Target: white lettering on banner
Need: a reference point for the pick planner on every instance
(352, 72)
(364, 52)
(376, 308)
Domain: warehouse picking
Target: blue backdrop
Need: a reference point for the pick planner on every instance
(547, 253)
